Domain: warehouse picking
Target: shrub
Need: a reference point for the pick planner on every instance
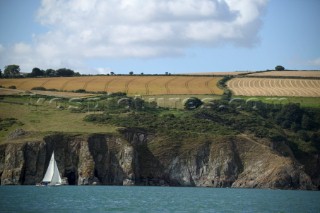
(98, 118)
(8, 122)
(118, 94)
(53, 90)
(12, 87)
(39, 88)
(80, 91)
(192, 103)
(222, 83)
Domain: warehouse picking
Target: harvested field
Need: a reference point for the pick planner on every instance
(4, 91)
(219, 73)
(275, 87)
(132, 85)
(308, 74)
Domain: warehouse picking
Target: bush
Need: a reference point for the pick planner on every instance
(303, 135)
(98, 118)
(12, 87)
(39, 88)
(8, 122)
(53, 90)
(80, 91)
(192, 103)
(222, 83)
(118, 94)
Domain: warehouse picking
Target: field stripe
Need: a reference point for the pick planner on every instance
(87, 82)
(44, 83)
(207, 85)
(166, 85)
(147, 85)
(128, 83)
(65, 84)
(23, 82)
(106, 86)
(186, 84)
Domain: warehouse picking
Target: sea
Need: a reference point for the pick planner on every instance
(154, 199)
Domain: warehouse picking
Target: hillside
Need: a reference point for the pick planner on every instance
(169, 130)
(114, 139)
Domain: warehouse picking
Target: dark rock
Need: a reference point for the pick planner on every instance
(136, 158)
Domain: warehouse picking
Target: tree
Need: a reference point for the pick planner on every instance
(192, 103)
(50, 72)
(37, 72)
(289, 114)
(12, 71)
(64, 72)
(279, 68)
(130, 73)
(0, 73)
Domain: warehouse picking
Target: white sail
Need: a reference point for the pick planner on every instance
(52, 176)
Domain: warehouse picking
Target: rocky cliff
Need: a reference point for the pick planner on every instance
(134, 157)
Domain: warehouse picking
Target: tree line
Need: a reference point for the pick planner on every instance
(13, 71)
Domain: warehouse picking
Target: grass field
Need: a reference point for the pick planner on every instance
(4, 91)
(45, 118)
(176, 101)
(132, 85)
(303, 101)
(275, 87)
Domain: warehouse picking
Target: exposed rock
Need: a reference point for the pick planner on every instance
(136, 158)
(13, 165)
(17, 133)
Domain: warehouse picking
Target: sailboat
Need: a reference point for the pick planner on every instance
(52, 176)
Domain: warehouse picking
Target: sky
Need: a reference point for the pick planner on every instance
(158, 36)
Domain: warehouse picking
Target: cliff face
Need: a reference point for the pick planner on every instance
(136, 158)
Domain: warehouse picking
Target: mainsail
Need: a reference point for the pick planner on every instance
(52, 176)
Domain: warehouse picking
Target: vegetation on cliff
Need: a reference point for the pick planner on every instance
(288, 123)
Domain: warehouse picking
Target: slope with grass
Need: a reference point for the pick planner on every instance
(125, 141)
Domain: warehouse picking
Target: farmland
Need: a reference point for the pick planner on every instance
(220, 73)
(275, 87)
(308, 102)
(132, 85)
(4, 91)
(305, 74)
(270, 83)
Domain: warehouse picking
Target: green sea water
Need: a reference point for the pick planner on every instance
(154, 199)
